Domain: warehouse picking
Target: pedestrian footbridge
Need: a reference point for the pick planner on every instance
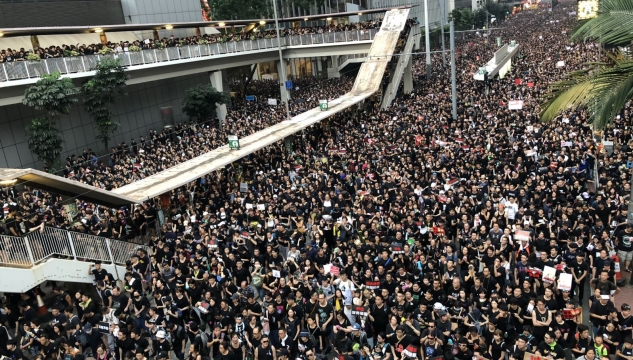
(54, 253)
(154, 64)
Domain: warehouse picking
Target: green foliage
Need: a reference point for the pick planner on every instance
(240, 9)
(201, 101)
(602, 88)
(105, 51)
(203, 42)
(100, 94)
(480, 18)
(134, 48)
(32, 57)
(305, 4)
(612, 26)
(498, 10)
(463, 18)
(159, 45)
(45, 141)
(52, 94)
(56, 97)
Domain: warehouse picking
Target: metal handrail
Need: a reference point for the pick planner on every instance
(68, 65)
(38, 246)
(343, 58)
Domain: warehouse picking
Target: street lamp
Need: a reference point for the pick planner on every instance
(282, 65)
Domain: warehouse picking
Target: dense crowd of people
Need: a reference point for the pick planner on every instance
(67, 50)
(383, 234)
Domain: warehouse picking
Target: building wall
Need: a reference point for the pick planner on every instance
(138, 112)
(162, 12)
(40, 13)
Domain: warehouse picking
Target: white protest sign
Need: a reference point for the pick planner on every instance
(560, 64)
(515, 105)
(565, 281)
(549, 274)
(272, 102)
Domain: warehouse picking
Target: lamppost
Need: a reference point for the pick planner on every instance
(282, 66)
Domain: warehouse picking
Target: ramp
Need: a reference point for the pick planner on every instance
(403, 61)
(367, 82)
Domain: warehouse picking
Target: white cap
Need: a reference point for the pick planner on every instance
(160, 334)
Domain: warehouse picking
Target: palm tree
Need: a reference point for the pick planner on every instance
(603, 87)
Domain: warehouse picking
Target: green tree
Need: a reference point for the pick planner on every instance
(463, 18)
(200, 102)
(498, 10)
(240, 9)
(100, 94)
(56, 97)
(605, 87)
(480, 18)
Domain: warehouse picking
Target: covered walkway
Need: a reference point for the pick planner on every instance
(367, 82)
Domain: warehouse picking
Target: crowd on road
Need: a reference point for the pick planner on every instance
(67, 50)
(383, 234)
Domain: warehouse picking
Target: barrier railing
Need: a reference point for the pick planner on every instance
(37, 247)
(343, 58)
(68, 65)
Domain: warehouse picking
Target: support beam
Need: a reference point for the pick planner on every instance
(281, 72)
(408, 78)
(103, 38)
(218, 83)
(35, 42)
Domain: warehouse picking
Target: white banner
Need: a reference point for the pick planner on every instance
(515, 104)
(272, 101)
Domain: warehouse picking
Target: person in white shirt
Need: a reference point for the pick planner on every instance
(346, 286)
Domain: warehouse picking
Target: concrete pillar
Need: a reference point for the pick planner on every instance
(103, 38)
(407, 78)
(156, 35)
(217, 81)
(285, 95)
(332, 72)
(293, 68)
(35, 42)
(198, 33)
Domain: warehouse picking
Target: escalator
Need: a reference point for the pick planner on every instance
(398, 66)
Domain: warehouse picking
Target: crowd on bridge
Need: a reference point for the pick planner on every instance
(381, 234)
(67, 50)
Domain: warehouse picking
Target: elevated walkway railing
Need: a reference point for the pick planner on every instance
(68, 65)
(344, 60)
(403, 62)
(37, 247)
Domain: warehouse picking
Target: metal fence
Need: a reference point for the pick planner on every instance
(69, 65)
(38, 246)
(343, 58)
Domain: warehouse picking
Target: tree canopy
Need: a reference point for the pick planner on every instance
(603, 87)
(462, 17)
(100, 94)
(200, 102)
(56, 96)
(240, 9)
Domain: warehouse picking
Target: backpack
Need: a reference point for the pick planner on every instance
(204, 338)
(82, 339)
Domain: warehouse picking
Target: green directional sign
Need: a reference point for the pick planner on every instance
(234, 142)
(323, 105)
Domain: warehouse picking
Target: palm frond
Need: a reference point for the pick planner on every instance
(602, 88)
(612, 25)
